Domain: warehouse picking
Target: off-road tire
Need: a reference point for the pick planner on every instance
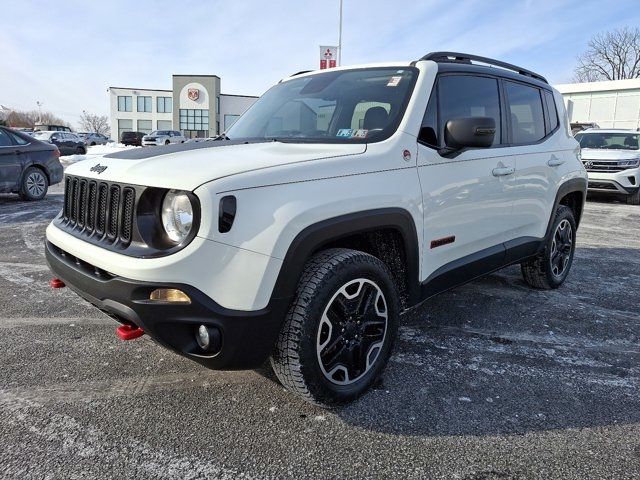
(34, 184)
(537, 271)
(634, 199)
(295, 359)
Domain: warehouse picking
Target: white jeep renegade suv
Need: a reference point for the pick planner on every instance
(338, 200)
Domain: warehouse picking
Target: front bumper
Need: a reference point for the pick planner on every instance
(626, 182)
(247, 337)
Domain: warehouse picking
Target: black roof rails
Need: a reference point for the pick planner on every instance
(456, 57)
(301, 72)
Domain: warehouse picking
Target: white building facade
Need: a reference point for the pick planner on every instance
(610, 104)
(195, 106)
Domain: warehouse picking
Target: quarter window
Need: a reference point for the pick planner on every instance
(551, 111)
(124, 104)
(464, 96)
(526, 115)
(5, 141)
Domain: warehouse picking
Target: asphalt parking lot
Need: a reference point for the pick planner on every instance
(490, 381)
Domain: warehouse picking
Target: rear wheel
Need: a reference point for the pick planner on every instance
(34, 184)
(634, 199)
(167, 142)
(80, 151)
(550, 268)
(340, 329)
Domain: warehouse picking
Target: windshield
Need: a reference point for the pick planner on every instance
(41, 134)
(612, 141)
(351, 106)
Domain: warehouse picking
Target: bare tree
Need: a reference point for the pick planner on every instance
(95, 123)
(613, 55)
(21, 119)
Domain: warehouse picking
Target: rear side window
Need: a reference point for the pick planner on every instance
(5, 140)
(469, 96)
(551, 111)
(526, 114)
(18, 140)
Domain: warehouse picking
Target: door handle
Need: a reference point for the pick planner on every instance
(502, 171)
(555, 161)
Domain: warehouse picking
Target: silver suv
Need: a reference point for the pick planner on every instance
(612, 160)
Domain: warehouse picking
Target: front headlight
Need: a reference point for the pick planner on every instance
(177, 215)
(630, 163)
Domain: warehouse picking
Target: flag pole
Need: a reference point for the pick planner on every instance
(340, 37)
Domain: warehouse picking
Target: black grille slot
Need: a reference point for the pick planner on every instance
(74, 201)
(128, 203)
(101, 215)
(91, 206)
(82, 203)
(67, 198)
(114, 210)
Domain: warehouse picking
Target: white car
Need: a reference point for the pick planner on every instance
(612, 160)
(338, 200)
(162, 137)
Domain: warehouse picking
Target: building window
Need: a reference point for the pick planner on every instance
(230, 120)
(144, 104)
(165, 125)
(124, 126)
(124, 104)
(194, 119)
(164, 104)
(145, 126)
(217, 104)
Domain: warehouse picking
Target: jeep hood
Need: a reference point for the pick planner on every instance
(608, 154)
(187, 166)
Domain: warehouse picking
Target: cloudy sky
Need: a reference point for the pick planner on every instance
(65, 54)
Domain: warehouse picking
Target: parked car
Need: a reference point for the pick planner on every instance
(132, 138)
(67, 143)
(338, 200)
(41, 127)
(27, 166)
(91, 139)
(578, 127)
(612, 160)
(163, 137)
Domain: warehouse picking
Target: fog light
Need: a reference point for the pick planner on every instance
(172, 295)
(202, 337)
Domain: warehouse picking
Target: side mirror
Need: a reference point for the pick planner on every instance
(469, 132)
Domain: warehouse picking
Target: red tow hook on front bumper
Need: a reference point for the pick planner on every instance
(129, 332)
(56, 283)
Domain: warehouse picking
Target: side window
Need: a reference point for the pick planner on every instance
(469, 96)
(525, 113)
(5, 140)
(552, 112)
(18, 140)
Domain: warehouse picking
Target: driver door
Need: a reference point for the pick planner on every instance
(467, 196)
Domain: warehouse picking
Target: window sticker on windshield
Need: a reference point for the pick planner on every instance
(360, 133)
(394, 81)
(344, 132)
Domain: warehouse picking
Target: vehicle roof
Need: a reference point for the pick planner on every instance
(442, 67)
(609, 130)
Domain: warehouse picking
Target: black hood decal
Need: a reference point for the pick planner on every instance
(149, 152)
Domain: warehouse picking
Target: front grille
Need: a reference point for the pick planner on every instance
(604, 166)
(103, 210)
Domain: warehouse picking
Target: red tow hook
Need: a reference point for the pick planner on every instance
(56, 283)
(129, 332)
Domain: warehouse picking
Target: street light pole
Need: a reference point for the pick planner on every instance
(39, 111)
(340, 37)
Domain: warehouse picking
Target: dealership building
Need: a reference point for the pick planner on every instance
(194, 105)
(609, 104)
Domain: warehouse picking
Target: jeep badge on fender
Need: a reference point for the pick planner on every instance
(298, 236)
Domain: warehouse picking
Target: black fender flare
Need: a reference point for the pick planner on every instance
(570, 186)
(318, 235)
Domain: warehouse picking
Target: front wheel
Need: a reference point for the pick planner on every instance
(167, 142)
(340, 329)
(634, 199)
(549, 269)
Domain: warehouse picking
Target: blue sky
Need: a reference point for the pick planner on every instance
(65, 54)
